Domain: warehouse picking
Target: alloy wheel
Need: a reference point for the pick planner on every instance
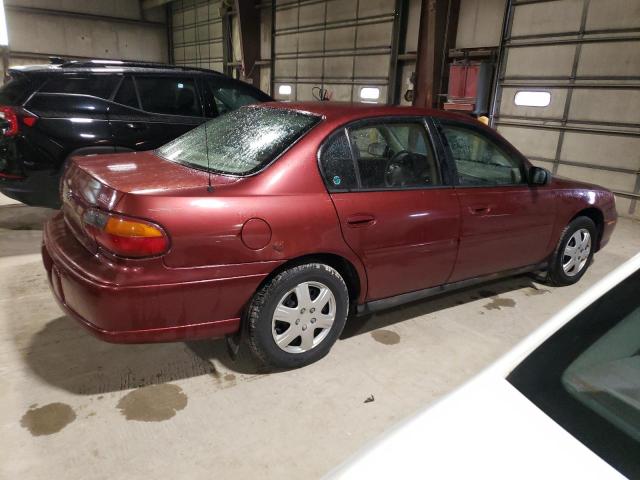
(576, 252)
(303, 317)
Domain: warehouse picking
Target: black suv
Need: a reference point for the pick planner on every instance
(50, 113)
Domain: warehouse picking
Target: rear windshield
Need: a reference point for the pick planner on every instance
(240, 142)
(16, 91)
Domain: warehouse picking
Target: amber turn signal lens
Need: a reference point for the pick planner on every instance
(125, 236)
(127, 228)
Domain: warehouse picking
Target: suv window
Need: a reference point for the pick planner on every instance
(101, 86)
(16, 91)
(127, 94)
(479, 160)
(229, 98)
(394, 155)
(336, 163)
(169, 95)
(586, 377)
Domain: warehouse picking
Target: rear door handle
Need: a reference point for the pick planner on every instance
(479, 209)
(360, 220)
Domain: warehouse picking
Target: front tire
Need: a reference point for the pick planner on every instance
(297, 316)
(574, 252)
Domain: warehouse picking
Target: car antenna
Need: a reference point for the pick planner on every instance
(206, 136)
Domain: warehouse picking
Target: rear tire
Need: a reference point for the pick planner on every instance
(297, 316)
(574, 252)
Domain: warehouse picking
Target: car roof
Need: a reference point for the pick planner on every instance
(111, 66)
(346, 111)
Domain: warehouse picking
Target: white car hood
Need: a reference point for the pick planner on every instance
(487, 429)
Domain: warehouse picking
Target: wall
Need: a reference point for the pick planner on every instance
(117, 29)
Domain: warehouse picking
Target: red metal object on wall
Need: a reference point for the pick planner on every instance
(469, 87)
(463, 87)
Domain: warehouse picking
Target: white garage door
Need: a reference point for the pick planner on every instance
(339, 45)
(569, 90)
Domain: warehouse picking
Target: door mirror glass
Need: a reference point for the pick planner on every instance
(539, 176)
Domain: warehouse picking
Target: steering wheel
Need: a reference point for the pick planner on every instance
(397, 171)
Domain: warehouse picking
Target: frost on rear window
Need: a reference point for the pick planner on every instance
(240, 142)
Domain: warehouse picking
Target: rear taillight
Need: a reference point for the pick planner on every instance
(8, 114)
(12, 117)
(125, 236)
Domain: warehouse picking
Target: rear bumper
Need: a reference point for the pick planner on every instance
(140, 304)
(38, 189)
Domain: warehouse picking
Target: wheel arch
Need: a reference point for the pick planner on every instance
(597, 216)
(344, 267)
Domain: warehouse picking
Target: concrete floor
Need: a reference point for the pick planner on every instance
(74, 407)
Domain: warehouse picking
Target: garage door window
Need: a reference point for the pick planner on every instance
(169, 95)
(479, 160)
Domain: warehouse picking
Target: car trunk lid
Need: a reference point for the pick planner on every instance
(101, 181)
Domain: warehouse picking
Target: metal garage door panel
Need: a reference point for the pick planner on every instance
(373, 66)
(616, 151)
(623, 59)
(341, 10)
(541, 145)
(548, 17)
(617, 181)
(606, 106)
(616, 14)
(543, 61)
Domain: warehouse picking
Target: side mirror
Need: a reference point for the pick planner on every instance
(539, 176)
(377, 149)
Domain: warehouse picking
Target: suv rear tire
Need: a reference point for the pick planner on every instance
(297, 316)
(574, 252)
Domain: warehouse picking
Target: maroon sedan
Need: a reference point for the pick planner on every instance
(277, 220)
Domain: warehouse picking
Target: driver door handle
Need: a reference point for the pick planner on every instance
(479, 209)
(360, 220)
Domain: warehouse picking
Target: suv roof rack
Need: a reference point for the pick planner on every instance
(97, 63)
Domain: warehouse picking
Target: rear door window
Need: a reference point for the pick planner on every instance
(229, 97)
(337, 164)
(101, 86)
(169, 95)
(127, 94)
(394, 154)
(16, 91)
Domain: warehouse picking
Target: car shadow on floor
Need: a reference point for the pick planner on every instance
(66, 356)
(23, 217)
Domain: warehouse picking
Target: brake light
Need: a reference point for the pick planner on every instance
(9, 115)
(12, 116)
(29, 120)
(125, 236)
